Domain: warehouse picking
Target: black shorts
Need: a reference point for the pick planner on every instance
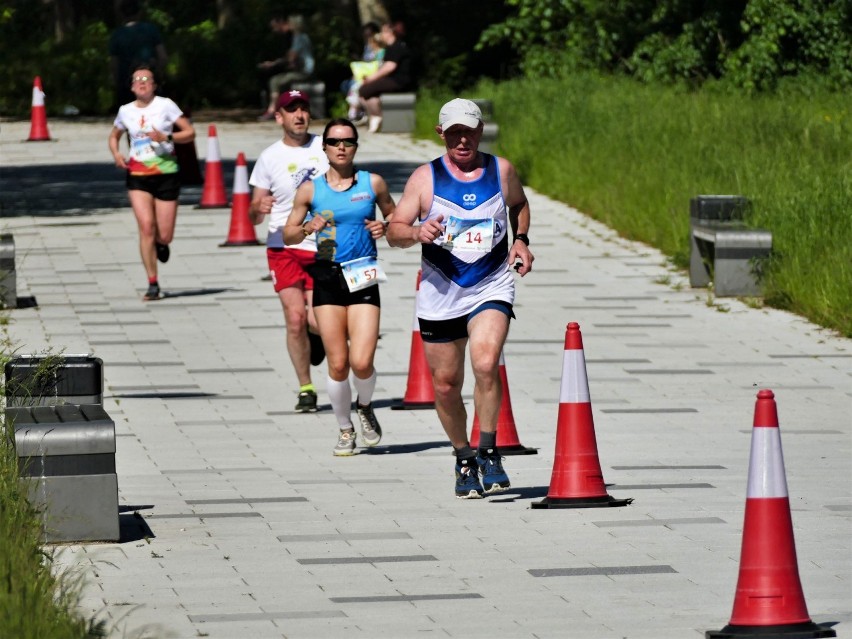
(378, 87)
(165, 186)
(437, 331)
(330, 288)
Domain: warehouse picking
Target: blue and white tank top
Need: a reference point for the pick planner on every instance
(455, 281)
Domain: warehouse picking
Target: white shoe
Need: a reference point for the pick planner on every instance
(375, 123)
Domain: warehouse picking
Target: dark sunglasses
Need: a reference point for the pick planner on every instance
(347, 142)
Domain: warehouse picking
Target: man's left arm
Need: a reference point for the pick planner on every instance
(519, 218)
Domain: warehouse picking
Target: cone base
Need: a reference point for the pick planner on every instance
(807, 630)
(403, 405)
(241, 243)
(581, 502)
(516, 449)
(38, 140)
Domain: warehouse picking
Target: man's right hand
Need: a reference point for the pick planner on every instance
(430, 230)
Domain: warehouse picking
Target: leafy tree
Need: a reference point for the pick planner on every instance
(750, 43)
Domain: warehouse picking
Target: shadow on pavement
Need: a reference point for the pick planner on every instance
(132, 526)
(193, 292)
(74, 189)
(84, 189)
(401, 449)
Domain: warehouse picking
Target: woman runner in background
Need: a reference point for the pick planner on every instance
(342, 207)
(153, 185)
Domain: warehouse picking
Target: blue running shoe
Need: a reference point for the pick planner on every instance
(494, 478)
(467, 479)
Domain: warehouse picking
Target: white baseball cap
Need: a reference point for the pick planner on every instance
(459, 111)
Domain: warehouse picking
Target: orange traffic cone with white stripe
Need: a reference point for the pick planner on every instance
(508, 442)
(242, 231)
(213, 196)
(577, 480)
(38, 116)
(419, 391)
(769, 601)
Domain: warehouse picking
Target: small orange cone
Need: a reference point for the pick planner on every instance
(242, 231)
(507, 435)
(419, 393)
(213, 196)
(769, 601)
(577, 479)
(38, 118)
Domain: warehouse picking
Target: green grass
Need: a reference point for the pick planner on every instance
(633, 155)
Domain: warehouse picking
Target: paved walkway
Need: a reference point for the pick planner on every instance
(238, 521)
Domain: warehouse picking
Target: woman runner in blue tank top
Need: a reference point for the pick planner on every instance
(340, 207)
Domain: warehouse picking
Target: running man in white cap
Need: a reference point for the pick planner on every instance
(473, 223)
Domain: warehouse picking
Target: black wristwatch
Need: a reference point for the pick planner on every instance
(170, 138)
(523, 238)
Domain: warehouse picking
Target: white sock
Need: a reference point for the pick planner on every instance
(340, 394)
(365, 388)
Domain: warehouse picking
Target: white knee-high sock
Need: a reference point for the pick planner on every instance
(365, 388)
(340, 394)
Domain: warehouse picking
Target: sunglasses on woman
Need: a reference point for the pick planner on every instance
(347, 142)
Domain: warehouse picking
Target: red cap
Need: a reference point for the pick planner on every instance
(289, 97)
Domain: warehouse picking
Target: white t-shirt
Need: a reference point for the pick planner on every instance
(281, 169)
(146, 156)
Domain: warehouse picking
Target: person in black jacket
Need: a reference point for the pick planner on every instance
(393, 76)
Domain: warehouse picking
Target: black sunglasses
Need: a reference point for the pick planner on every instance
(347, 142)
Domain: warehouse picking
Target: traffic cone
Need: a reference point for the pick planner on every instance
(577, 479)
(213, 196)
(241, 232)
(419, 393)
(769, 601)
(38, 118)
(507, 435)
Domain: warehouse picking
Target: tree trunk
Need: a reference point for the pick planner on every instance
(225, 10)
(63, 18)
(372, 10)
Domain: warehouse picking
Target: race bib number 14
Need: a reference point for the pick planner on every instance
(469, 234)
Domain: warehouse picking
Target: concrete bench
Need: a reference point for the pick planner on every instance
(316, 92)
(398, 114)
(490, 129)
(722, 249)
(67, 379)
(8, 276)
(66, 464)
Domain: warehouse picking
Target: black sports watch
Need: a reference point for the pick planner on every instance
(170, 138)
(523, 238)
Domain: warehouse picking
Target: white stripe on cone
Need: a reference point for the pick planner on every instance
(213, 154)
(38, 97)
(241, 183)
(766, 474)
(575, 384)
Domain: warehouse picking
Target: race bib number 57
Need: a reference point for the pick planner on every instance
(363, 272)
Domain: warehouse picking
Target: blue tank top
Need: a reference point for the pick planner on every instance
(345, 237)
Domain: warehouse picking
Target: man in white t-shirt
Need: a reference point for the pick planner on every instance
(278, 172)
